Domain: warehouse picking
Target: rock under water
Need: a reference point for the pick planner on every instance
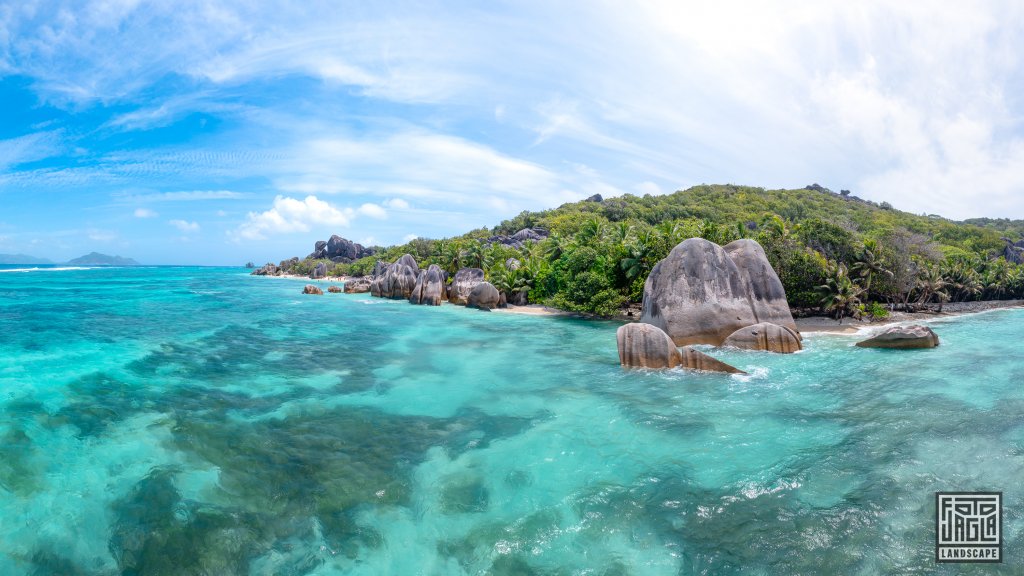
(767, 337)
(903, 337)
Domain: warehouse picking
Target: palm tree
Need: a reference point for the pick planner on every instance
(449, 256)
(774, 227)
(531, 249)
(840, 296)
(554, 246)
(963, 280)
(997, 278)
(592, 229)
(671, 231)
(622, 231)
(472, 255)
(637, 260)
(870, 264)
(931, 283)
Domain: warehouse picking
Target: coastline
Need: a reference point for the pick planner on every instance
(827, 325)
(806, 325)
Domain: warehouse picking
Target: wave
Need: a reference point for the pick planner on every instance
(55, 269)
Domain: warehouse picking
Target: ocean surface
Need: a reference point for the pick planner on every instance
(203, 421)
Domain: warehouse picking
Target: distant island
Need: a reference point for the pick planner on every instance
(97, 259)
(22, 259)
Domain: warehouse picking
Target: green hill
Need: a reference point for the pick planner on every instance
(834, 252)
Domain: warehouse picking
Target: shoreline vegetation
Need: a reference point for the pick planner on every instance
(855, 261)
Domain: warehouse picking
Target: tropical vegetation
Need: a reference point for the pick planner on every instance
(834, 253)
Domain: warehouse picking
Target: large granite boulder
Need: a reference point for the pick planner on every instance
(338, 247)
(518, 239)
(903, 337)
(765, 336)
(268, 269)
(409, 261)
(357, 285)
(286, 265)
(483, 296)
(397, 282)
(463, 283)
(319, 271)
(1014, 251)
(646, 346)
(430, 286)
(334, 289)
(767, 296)
(699, 295)
(311, 289)
(697, 360)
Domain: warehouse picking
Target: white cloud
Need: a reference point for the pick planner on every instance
(291, 215)
(436, 167)
(396, 203)
(29, 148)
(373, 211)
(409, 237)
(184, 225)
(189, 196)
(145, 213)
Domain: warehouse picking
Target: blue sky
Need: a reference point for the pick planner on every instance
(221, 132)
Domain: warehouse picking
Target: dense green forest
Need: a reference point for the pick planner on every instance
(833, 252)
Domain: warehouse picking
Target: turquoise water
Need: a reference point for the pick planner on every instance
(202, 421)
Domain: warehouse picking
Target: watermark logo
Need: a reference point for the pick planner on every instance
(968, 526)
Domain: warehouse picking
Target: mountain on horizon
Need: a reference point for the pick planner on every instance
(97, 259)
(22, 259)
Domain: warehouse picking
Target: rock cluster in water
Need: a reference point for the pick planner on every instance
(646, 346)
(703, 293)
(405, 280)
(903, 337)
(337, 249)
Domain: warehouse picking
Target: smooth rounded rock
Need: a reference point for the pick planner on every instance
(646, 346)
(483, 296)
(697, 295)
(700, 294)
(767, 296)
(310, 289)
(463, 283)
(765, 336)
(903, 337)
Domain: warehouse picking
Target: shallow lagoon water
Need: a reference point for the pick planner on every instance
(202, 421)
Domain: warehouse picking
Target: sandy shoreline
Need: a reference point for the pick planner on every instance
(850, 326)
(809, 324)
